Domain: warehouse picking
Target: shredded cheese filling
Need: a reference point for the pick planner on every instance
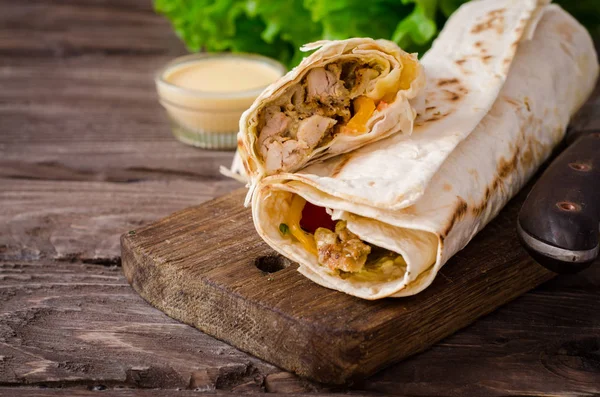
(307, 240)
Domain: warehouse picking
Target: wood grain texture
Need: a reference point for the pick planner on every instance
(86, 154)
(46, 28)
(93, 119)
(198, 266)
(66, 220)
(95, 391)
(78, 100)
(544, 343)
(69, 324)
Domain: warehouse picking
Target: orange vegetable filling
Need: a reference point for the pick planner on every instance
(364, 107)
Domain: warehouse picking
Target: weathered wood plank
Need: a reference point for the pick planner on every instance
(543, 343)
(72, 392)
(46, 28)
(93, 118)
(547, 342)
(83, 220)
(68, 324)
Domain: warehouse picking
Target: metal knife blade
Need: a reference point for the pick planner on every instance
(559, 222)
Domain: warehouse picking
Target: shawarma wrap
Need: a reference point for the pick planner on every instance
(346, 94)
(503, 79)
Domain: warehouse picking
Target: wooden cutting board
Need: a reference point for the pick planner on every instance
(207, 267)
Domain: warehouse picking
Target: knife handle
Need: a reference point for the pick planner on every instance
(559, 221)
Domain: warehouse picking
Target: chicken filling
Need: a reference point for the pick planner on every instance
(341, 249)
(328, 100)
(337, 248)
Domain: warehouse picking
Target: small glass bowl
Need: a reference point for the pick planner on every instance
(206, 119)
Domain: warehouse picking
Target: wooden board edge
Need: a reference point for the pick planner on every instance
(355, 345)
(531, 275)
(330, 371)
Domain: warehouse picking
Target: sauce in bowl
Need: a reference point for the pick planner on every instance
(222, 75)
(205, 94)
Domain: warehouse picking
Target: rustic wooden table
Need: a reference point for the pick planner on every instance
(86, 154)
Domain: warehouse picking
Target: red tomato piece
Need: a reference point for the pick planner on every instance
(314, 217)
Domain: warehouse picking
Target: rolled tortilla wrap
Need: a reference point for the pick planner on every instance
(412, 235)
(344, 95)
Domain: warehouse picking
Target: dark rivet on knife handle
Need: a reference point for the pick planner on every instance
(568, 206)
(580, 167)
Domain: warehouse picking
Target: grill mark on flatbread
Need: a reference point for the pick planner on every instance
(480, 46)
(506, 167)
(435, 117)
(446, 98)
(460, 63)
(444, 82)
(340, 165)
(451, 95)
(459, 213)
(527, 104)
(513, 102)
(495, 20)
(523, 156)
(487, 58)
(503, 171)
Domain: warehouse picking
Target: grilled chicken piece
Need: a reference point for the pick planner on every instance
(336, 69)
(293, 153)
(276, 123)
(324, 85)
(363, 78)
(295, 124)
(273, 155)
(298, 96)
(284, 153)
(341, 249)
(312, 129)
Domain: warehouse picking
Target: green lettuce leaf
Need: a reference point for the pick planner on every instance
(278, 28)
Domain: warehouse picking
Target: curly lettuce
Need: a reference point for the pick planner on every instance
(278, 28)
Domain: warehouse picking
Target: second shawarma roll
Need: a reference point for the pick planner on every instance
(346, 94)
(503, 79)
